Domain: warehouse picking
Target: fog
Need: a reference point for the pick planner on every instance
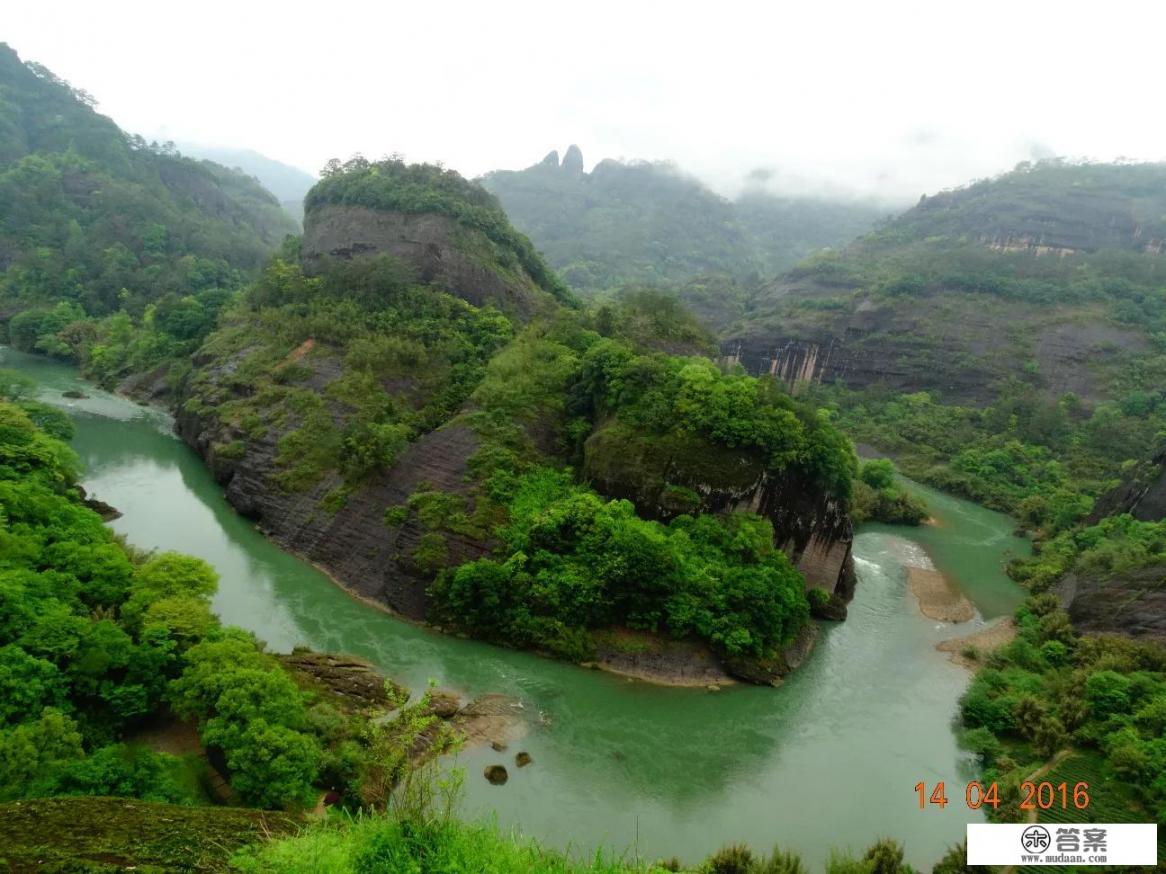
(888, 99)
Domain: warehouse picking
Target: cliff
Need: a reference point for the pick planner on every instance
(379, 407)
(1045, 274)
(1132, 603)
(684, 474)
(354, 544)
(1142, 494)
(459, 260)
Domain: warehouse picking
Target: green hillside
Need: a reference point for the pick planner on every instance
(1031, 309)
(95, 222)
(649, 223)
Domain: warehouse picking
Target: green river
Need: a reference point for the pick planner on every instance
(829, 760)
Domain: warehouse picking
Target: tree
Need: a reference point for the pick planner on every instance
(27, 684)
(878, 473)
(33, 748)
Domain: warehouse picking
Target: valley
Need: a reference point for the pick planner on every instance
(566, 520)
(745, 764)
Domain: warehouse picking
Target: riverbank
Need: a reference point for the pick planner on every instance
(695, 769)
(969, 651)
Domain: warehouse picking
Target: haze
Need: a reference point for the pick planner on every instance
(891, 99)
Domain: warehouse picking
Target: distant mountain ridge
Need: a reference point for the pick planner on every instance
(650, 223)
(289, 184)
(1051, 273)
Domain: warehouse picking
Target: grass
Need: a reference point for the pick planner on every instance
(369, 844)
(95, 835)
(1110, 800)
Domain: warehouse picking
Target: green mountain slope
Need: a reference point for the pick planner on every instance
(289, 184)
(1051, 273)
(1031, 310)
(649, 223)
(95, 222)
(412, 400)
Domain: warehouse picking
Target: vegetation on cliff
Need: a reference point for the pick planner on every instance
(114, 252)
(347, 368)
(571, 562)
(394, 186)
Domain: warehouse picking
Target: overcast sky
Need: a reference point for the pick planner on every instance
(879, 97)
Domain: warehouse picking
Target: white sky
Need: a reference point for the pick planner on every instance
(880, 96)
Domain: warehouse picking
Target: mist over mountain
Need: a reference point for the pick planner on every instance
(289, 184)
(644, 222)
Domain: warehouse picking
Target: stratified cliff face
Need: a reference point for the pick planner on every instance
(668, 476)
(1132, 603)
(1142, 495)
(442, 252)
(367, 554)
(951, 343)
(1032, 275)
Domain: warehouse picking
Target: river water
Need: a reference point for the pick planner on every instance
(829, 760)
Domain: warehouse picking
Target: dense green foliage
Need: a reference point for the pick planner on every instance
(1051, 689)
(98, 642)
(574, 562)
(1042, 460)
(409, 357)
(1113, 546)
(878, 498)
(393, 185)
(660, 394)
(94, 222)
(648, 318)
(648, 223)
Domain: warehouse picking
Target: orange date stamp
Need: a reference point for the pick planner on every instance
(1033, 796)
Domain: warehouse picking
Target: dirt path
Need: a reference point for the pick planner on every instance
(1032, 778)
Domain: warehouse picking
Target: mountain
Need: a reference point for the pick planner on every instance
(289, 184)
(1005, 341)
(412, 400)
(95, 223)
(1051, 274)
(646, 223)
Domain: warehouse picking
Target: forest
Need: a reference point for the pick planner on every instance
(621, 476)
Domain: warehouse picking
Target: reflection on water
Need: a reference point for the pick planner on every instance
(828, 760)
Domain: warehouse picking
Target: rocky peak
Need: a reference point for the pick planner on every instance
(551, 160)
(573, 160)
